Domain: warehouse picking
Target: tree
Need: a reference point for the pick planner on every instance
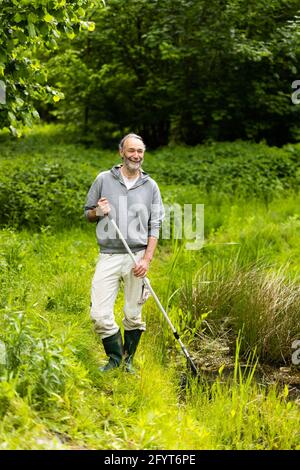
(27, 28)
(186, 70)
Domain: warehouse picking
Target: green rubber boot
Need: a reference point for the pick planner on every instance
(113, 347)
(131, 341)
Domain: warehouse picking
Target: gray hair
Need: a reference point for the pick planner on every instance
(128, 136)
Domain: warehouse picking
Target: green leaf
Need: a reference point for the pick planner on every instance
(69, 32)
(18, 18)
(61, 3)
(11, 116)
(31, 30)
(19, 102)
(49, 18)
(81, 12)
(32, 18)
(35, 114)
(56, 33)
(13, 131)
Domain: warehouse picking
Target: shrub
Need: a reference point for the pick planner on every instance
(42, 366)
(43, 183)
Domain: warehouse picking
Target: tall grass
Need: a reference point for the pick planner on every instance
(52, 395)
(266, 305)
(246, 275)
(51, 392)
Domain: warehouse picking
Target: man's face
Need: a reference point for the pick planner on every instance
(133, 153)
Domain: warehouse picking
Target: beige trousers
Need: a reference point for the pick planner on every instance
(110, 269)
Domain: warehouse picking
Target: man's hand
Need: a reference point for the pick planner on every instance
(141, 269)
(104, 206)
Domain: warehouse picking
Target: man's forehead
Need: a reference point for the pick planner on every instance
(133, 142)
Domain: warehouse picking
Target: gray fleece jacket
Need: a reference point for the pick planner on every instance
(138, 211)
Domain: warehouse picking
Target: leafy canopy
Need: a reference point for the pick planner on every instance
(28, 27)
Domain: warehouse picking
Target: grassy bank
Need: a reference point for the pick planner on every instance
(239, 293)
(52, 395)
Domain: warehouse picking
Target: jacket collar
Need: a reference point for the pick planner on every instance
(118, 175)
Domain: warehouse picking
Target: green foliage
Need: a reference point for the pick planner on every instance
(171, 71)
(266, 306)
(248, 424)
(38, 190)
(228, 168)
(35, 193)
(27, 29)
(51, 393)
(41, 365)
(246, 277)
(54, 397)
(183, 71)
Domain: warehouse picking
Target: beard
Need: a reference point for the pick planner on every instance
(132, 166)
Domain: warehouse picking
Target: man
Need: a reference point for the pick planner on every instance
(134, 200)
